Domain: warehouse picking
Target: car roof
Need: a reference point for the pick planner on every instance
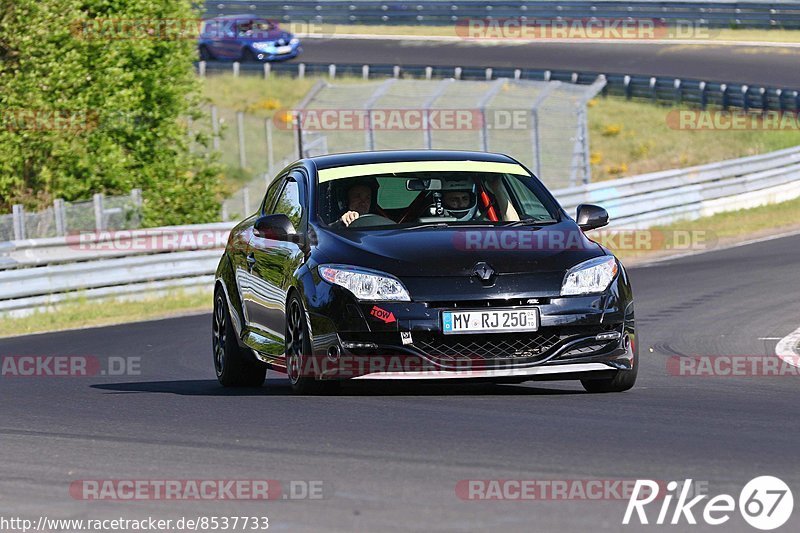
(393, 156)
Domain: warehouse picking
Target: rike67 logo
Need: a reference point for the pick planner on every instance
(765, 503)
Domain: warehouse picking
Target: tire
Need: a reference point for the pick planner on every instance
(233, 364)
(298, 349)
(623, 380)
(205, 53)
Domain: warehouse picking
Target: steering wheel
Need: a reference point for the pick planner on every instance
(371, 219)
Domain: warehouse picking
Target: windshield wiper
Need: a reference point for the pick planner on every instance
(429, 225)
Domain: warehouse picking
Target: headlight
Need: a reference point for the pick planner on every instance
(264, 47)
(294, 40)
(365, 284)
(589, 277)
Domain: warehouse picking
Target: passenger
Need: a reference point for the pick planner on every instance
(461, 203)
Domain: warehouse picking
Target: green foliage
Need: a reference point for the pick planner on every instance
(83, 111)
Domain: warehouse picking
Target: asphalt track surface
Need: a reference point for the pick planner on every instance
(762, 66)
(390, 456)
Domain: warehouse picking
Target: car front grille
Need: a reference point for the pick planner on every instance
(490, 347)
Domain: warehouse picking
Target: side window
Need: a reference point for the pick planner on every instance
(210, 30)
(289, 203)
(269, 198)
(531, 205)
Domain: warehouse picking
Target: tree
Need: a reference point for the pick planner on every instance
(94, 97)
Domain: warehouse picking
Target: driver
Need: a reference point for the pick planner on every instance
(359, 200)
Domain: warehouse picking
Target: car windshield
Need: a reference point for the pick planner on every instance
(433, 198)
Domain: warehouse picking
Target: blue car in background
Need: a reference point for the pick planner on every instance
(246, 38)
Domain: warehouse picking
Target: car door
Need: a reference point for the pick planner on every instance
(272, 263)
(226, 44)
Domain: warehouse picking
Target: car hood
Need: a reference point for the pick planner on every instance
(448, 252)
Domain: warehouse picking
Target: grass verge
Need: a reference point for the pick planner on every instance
(83, 313)
(629, 137)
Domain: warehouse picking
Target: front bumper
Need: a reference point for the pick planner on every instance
(266, 56)
(578, 336)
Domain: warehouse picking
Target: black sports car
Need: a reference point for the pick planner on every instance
(420, 265)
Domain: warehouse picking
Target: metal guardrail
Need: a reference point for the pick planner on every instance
(394, 12)
(658, 89)
(41, 274)
(664, 197)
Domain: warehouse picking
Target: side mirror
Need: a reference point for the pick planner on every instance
(591, 217)
(277, 227)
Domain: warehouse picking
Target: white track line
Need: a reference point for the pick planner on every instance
(454, 38)
(787, 348)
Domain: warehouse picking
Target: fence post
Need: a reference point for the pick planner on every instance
(301, 71)
(365, 72)
(653, 91)
(724, 90)
(745, 102)
(779, 95)
(517, 74)
(678, 92)
(58, 213)
(396, 71)
(489, 74)
(201, 69)
(626, 84)
(215, 127)
(98, 212)
(703, 95)
(457, 73)
(764, 99)
(136, 200)
(18, 214)
(246, 200)
(332, 71)
(267, 69)
(299, 137)
(235, 69)
(428, 73)
(270, 153)
(240, 135)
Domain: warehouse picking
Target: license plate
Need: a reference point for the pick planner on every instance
(490, 321)
(284, 49)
